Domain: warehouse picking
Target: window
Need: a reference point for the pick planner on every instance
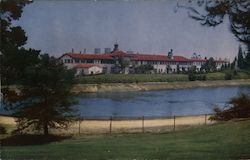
(90, 61)
(67, 60)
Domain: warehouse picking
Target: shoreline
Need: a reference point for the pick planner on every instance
(147, 86)
(95, 126)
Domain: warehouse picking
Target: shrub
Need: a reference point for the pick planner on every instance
(204, 77)
(191, 77)
(228, 76)
(238, 107)
(201, 77)
(2, 130)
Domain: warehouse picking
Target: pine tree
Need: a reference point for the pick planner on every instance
(44, 99)
(240, 60)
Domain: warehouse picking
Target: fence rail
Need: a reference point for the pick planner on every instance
(139, 124)
(88, 125)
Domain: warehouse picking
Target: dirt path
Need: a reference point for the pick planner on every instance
(126, 87)
(126, 126)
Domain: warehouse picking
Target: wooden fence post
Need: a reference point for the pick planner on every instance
(142, 124)
(110, 125)
(205, 119)
(174, 123)
(79, 129)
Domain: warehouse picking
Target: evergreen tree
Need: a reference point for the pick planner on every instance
(210, 65)
(240, 60)
(44, 100)
(213, 13)
(247, 60)
(14, 58)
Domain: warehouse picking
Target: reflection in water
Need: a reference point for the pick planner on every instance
(156, 103)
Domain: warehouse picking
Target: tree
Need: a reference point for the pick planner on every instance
(124, 62)
(146, 68)
(14, 58)
(213, 12)
(247, 60)
(237, 107)
(44, 100)
(240, 60)
(209, 65)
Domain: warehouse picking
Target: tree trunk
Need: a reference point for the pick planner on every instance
(45, 129)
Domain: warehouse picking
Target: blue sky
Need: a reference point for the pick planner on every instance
(56, 27)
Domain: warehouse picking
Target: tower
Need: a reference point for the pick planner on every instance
(115, 47)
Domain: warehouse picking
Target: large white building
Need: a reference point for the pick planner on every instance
(109, 61)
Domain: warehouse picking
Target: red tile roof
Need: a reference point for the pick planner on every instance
(89, 56)
(148, 57)
(119, 53)
(85, 65)
(136, 57)
(180, 59)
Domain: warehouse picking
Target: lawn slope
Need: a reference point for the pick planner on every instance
(229, 140)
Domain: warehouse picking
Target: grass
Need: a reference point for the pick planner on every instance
(229, 140)
(135, 78)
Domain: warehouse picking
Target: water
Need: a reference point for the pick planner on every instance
(162, 103)
(156, 103)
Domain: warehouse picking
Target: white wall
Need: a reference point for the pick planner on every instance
(160, 68)
(68, 65)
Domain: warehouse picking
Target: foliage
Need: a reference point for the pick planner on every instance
(2, 130)
(14, 58)
(209, 65)
(44, 99)
(237, 107)
(191, 76)
(240, 60)
(144, 68)
(124, 62)
(132, 78)
(212, 13)
(228, 76)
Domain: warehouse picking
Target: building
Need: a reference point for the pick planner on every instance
(112, 62)
(88, 69)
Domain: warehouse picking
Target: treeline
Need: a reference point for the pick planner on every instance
(42, 98)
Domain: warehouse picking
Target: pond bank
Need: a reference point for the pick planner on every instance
(95, 126)
(126, 87)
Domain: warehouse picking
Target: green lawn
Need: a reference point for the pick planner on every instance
(229, 140)
(133, 78)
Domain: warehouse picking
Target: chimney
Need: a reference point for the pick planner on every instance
(80, 52)
(85, 50)
(107, 50)
(72, 50)
(97, 50)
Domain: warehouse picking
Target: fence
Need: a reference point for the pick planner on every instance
(135, 125)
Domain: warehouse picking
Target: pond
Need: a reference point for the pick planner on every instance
(161, 103)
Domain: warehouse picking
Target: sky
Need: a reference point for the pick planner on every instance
(144, 26)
